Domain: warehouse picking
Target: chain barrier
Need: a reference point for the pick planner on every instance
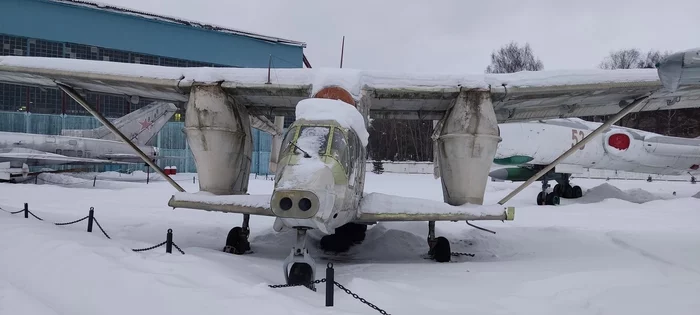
(456, 254)
(340, 286)
(101, 229)
(16, 212)
(178, 248)
(149, 248)
(73, 222)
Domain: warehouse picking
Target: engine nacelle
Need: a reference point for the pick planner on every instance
(469, 136)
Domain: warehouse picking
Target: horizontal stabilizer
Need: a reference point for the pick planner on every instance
(381, 207)
(246, 204)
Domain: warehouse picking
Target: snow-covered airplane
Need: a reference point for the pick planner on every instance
(97, 146)
(324, 189)
(530, 146)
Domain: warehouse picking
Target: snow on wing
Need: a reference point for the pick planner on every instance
(516, 97)
(246, 204)
(382, 207)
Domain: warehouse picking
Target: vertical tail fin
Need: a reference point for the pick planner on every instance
(140, 126)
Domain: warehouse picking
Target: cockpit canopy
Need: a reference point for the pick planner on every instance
(328, 141)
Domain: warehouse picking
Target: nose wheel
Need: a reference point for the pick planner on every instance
(303, 266)
(439, 247)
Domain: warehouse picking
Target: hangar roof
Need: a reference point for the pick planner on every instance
(211, 27)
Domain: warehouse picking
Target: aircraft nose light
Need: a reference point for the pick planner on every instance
(286, 203)
(619, 141)
(304, 204)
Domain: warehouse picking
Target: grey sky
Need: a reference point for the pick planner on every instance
(450, 35)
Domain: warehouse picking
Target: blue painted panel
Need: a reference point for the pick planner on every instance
(89, 26)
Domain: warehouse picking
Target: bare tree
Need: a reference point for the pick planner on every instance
(513, 58)
(632, 58)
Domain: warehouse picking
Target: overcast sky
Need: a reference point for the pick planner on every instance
(450, 35)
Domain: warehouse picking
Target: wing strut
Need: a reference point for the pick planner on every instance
(80, 100)
(632, 106)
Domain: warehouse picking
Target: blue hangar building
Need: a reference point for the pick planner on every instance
(85, 30)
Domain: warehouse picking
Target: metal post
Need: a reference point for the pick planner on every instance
(148, 174)
(330, 284)
(269, 66)
(193, 177)
(169, 242)
(91, 217)
(26, 210)
(577, 146)
(94, 181)
(80, 100)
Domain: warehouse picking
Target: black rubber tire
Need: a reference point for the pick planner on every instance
(236, 242)
(441, 250)
(354, 232)
(300, 273)
(541, 198)
(557, 190)
(335, 243)
(552, 200)
(577, 192)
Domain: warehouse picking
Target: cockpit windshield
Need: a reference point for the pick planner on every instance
(312, 140)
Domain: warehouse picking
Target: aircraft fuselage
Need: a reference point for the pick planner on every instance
(71, 147)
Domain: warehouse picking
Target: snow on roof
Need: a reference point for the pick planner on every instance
(211, 27)
(327, 109)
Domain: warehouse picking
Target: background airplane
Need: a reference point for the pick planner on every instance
(532, 145)
(85, 147)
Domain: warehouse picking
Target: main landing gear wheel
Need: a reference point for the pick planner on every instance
(550, 199)
(237, 239)
(344, 237)
(567, 191)
(439, 247)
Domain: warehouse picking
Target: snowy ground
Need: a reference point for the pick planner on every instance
(626, 247)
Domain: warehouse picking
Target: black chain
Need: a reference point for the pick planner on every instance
(101, 229)
(149, 248)
(72, 222)
(34, 215)
(16, 212)
(461, 254)
(178, 248)
(308, 285)
(381, 311)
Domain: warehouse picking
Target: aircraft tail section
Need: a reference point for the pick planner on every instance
(140, 126)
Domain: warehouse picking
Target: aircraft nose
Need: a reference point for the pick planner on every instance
(303, 191)
(500, 174)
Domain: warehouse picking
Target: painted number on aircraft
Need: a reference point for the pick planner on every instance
(577, 136)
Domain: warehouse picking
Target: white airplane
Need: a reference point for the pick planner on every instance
(97, 146)
(533, 145)
(320, 186)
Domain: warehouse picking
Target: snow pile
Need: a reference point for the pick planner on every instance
(326, 109)
(607, 191)
(697, 195)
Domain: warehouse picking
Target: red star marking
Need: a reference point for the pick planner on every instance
(145, 124)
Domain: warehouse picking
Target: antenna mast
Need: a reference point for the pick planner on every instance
(342, 50)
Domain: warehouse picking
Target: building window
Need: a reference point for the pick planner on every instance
(44, 48)
(13, 98)
(13, 45)
(44, 100)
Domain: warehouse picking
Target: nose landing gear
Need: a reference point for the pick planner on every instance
(303, 266)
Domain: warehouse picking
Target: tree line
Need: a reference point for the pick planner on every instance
(410, 140)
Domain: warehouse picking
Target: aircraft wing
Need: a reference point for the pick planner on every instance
(516, 97)
(376, 207)
(245, 204)
(29, 156)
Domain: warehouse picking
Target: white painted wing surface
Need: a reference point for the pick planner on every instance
(245, 204)
(28, 155)
(521, 96)
(376, 207)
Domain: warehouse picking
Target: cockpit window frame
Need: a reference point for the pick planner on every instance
(329, 145)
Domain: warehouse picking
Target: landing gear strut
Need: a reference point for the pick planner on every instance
(439, 247)
(237, 239)
(303, 266)
(544, 198)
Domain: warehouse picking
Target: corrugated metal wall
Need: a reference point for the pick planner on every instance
(171, 139)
